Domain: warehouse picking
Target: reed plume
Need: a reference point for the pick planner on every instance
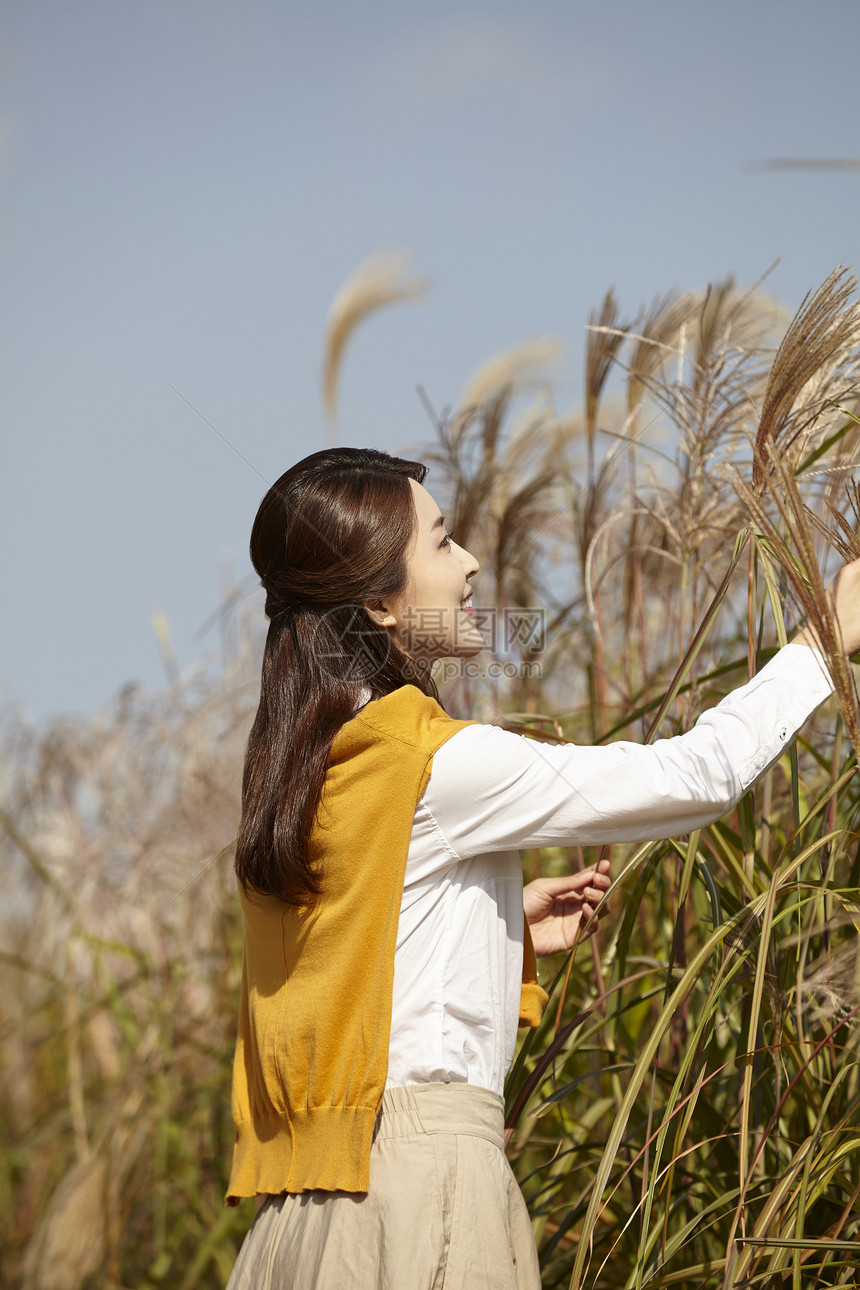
(513, 369)
(603, 338)
(380, 280)
(839, 530)
(655, 342)
(788, 539)
(809, 362)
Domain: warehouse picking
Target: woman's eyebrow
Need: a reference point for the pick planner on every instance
(440, 519)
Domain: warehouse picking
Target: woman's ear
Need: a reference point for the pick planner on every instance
(380, 614)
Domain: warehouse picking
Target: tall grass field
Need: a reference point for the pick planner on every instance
(688, 1113)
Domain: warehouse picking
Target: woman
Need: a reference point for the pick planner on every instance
(387, 958)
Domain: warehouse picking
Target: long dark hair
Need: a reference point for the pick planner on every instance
(331, 533)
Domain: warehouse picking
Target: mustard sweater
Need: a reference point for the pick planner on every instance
(315, 1018)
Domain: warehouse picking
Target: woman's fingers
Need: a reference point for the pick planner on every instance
(560, 909)
(594, 876)
(568, 882)
(591, 900)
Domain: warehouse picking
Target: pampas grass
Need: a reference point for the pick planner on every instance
(511, 370)
(815, 365)
(380, 280)
(686, 1115)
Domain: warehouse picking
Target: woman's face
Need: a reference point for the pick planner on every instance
(429, 619)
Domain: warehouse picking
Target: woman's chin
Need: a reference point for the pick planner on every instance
(468, 649)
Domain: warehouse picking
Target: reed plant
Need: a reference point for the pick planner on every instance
(688, 1112)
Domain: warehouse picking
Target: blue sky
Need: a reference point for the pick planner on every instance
(186, 183)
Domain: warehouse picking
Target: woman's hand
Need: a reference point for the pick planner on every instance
(559, 909)
(844, 593)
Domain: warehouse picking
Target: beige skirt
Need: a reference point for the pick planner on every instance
(443, 1210)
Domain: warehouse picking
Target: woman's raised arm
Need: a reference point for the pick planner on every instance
(492, 790)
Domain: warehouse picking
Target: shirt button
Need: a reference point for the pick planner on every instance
(783, 733)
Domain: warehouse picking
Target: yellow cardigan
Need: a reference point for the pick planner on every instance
(315, 1018)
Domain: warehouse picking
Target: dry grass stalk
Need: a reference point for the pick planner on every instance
(489, 467)
(840, 532)
(514, 368)
(656, 342)
(69, 1245)
(824, 332)
(790, 541)
(699, 359)
(380, 280)
(603, 339)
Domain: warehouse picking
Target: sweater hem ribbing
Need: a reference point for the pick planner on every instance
(324, 1148)
(533, 1001)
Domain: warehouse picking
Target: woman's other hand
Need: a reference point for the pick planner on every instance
(559, 909)
(844, 592)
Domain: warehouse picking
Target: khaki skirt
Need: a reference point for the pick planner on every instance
(444, 1211)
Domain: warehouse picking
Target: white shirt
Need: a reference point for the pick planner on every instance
(458, 959)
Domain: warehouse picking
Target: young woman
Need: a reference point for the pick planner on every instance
(388, 961)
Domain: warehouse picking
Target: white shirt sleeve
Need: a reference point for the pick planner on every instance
(491, 790)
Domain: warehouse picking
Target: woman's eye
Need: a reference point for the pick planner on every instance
(446, 541)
